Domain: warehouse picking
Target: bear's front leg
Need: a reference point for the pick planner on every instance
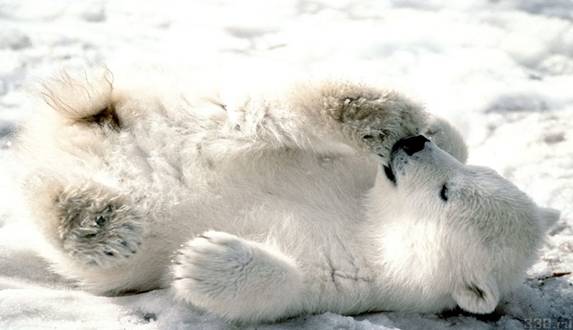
(237, 279)
(375, 120)
(368, 119)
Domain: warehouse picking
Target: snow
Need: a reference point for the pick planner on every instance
(501, 71)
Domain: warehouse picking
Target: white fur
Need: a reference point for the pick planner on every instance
(269, 205)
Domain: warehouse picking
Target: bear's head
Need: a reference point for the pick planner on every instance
(476, 232)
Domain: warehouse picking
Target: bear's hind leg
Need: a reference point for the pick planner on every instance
(90, 224)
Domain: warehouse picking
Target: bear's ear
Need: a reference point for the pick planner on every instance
(549, 217)
(477, 296)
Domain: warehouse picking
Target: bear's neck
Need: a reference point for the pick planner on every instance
(405, 248)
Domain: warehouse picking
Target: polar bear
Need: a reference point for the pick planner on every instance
(328, 196)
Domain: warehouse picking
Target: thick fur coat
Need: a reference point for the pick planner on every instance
(320, 197)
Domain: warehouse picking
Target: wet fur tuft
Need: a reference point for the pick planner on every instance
(83, 97)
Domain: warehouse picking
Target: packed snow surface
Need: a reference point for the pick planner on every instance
(501, 71)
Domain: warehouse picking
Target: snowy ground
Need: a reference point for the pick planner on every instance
(502, 71)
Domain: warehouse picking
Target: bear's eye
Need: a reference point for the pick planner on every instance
(444, 193)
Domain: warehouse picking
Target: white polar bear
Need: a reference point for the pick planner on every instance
(321, 198)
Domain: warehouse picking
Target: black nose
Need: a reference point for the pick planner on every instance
(412, 144)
